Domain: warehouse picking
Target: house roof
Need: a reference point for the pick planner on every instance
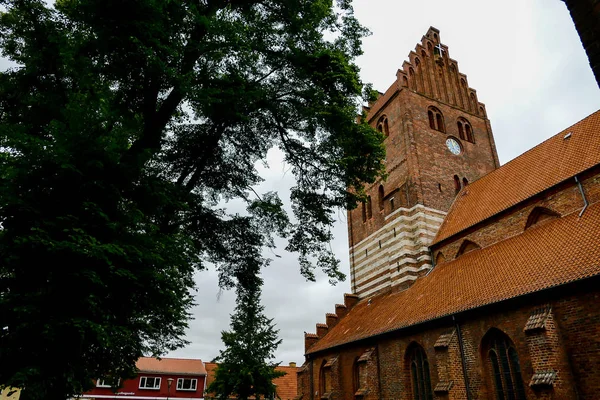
(553, 161)
(560, 251)
(177, 366)
(287, 385)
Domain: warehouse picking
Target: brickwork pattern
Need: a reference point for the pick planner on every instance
(569, 345)
(390, 253)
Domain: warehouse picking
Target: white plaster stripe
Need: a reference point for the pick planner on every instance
(374, 284)
(389, 264)
(407, 231)
(390, 273)
(407, 218)
(442, 213)
(407, 247)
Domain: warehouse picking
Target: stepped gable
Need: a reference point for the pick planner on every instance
(559, 158)
(567, 249)
(430, 71)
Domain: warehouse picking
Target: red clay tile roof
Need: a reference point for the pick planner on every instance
(178, 366)
(540, 168)
(287, 385)
(563, 250)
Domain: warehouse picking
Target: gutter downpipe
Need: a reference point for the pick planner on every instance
(585, 202)
(462, 357)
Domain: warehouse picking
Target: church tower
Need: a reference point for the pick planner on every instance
(438, 139)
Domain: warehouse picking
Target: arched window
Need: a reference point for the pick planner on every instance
(440, 258)
(369, 208)
(481, 111)
(364, 212)
(355, 376)
(382, 126)
(419, 373)
(465, 181)
(436, 119)
(469, 133)
(440, 122)
(465, 131)
(404, 81)
(540, 214)
(456, 183)
(466, 247)
(381, 195)
(324, 383)
(503, 366)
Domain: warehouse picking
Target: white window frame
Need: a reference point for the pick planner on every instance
(101, 383)
(144, 379)
(192, 380)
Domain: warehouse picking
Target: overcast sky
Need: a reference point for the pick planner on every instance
(528, 66)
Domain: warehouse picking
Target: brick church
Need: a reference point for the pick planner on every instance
(470, 280)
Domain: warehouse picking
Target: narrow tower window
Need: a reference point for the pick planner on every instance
(381, 195)
(465, 131)
(436, 119)
(461, 131)
(456, 183)
(465, 182)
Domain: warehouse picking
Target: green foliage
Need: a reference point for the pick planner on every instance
(244, 368)
(122, 127)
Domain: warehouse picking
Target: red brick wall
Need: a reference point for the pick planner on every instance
(569, 344)
(418, 162)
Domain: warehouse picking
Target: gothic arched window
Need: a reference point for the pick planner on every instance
(503, 366)
(364, 212)
(369, 208)
(436, 119)
(465, 131)
(381, 196)
(456, 183)
(324, 383)
(461, 131)
(419, 373)
(355, 376)
(382, 126)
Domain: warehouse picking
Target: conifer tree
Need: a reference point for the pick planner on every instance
(244, 366)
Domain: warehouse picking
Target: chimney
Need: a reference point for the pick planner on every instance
(350, 300)
(309, 340)
(293, 364)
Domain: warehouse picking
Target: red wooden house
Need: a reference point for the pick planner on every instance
(168, 378)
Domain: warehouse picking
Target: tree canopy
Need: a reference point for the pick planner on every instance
(123, 127)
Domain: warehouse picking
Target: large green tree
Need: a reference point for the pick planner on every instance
(245, 366)
(123, 126)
